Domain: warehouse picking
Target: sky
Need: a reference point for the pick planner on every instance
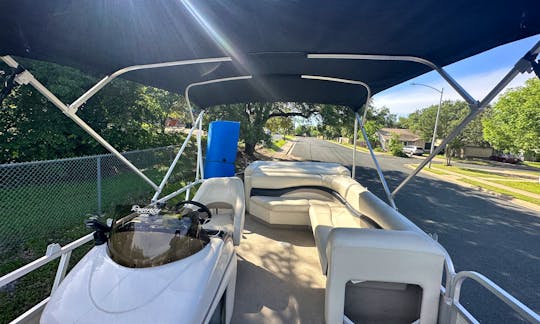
(477, 74)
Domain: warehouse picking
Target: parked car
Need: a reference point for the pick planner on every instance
(413, 150)
(506, 158)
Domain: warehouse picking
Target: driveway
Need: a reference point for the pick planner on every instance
(482, 232)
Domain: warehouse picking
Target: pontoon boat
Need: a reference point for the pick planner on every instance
(223, 255)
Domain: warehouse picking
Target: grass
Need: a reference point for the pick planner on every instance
(532, 164)
(37, 215)
(533, 187)
(501, 191)
(276, 145)
(469, 172)
(432, 170)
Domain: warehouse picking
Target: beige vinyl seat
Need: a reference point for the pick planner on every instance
(225, 196)
(292, 208)
(388, 258)
(363, 243)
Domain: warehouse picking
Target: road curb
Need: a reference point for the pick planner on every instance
(289, 151)
(357, 150)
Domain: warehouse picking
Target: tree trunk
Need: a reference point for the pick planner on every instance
(448, 155)
(249, 148)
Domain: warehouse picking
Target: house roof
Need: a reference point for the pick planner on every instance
(404, 134)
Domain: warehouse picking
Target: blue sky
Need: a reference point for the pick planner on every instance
(477, 74)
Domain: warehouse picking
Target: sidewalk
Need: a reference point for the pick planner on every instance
(494, 184)
(284, 152)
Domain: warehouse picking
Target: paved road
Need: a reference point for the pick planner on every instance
(482, 232)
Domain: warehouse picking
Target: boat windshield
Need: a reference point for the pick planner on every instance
(150, 237)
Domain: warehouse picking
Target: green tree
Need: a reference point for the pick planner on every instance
(254, 116)
(395, 146)
(127, 114)
(451, 114)
(283, 125)
(513, 124)
(377, 118)
(335, 121)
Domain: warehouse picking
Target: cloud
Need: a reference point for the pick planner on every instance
(404, 99)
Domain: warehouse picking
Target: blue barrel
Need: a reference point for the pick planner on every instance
(221, 149)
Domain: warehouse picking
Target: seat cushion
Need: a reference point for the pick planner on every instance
(323, 218)
(280, 210)
(222, 221)
(293, 204)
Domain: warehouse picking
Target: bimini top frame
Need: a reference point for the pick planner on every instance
(199, 175)
(362, 121)
(454, 281)
(525, 64)
(26, 77)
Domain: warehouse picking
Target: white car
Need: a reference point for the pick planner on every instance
(413, 150)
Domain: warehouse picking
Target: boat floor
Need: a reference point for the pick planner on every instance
(279, 276)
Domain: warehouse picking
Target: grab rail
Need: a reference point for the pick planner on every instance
(455, 292)
(54, 251)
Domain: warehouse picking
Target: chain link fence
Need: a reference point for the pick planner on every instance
(47, 201)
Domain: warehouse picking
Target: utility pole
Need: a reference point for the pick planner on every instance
(436, 118)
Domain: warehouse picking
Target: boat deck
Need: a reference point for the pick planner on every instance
(279, 276)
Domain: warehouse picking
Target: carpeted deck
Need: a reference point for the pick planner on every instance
(279, 276)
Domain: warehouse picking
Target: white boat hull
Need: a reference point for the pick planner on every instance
(98, 290)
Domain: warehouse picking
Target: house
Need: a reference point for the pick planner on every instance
(406, 136)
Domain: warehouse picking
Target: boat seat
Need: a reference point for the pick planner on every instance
(385, 257)
(224, 193)
(277, 175)
(222, 220)
(324, 218)
(285, 210)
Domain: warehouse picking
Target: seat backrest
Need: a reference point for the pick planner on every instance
(229, 191)
(278, 175)
(382, 256)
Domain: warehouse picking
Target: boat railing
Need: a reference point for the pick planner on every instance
(54, 251)
(458, 311)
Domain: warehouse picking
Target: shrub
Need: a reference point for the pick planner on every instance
(395, 146)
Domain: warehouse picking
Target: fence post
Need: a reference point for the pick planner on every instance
(98, 167)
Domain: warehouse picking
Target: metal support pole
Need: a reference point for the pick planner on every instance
(400, 58)
(199, 150)
(98, 176)
(61, 271)
(173, 164)
(435, 128)
(521, 66)
(106, 80)
(186, 92)
(179, 191)
(27, 78)
(354, 151)
(368, 98)
(197, 167)
(377, 166)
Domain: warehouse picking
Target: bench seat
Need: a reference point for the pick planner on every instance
(285, 210)
(324, 218)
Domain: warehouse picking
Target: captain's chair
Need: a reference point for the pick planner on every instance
(226, 197)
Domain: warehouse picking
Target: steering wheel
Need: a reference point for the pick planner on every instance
(203, 208)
